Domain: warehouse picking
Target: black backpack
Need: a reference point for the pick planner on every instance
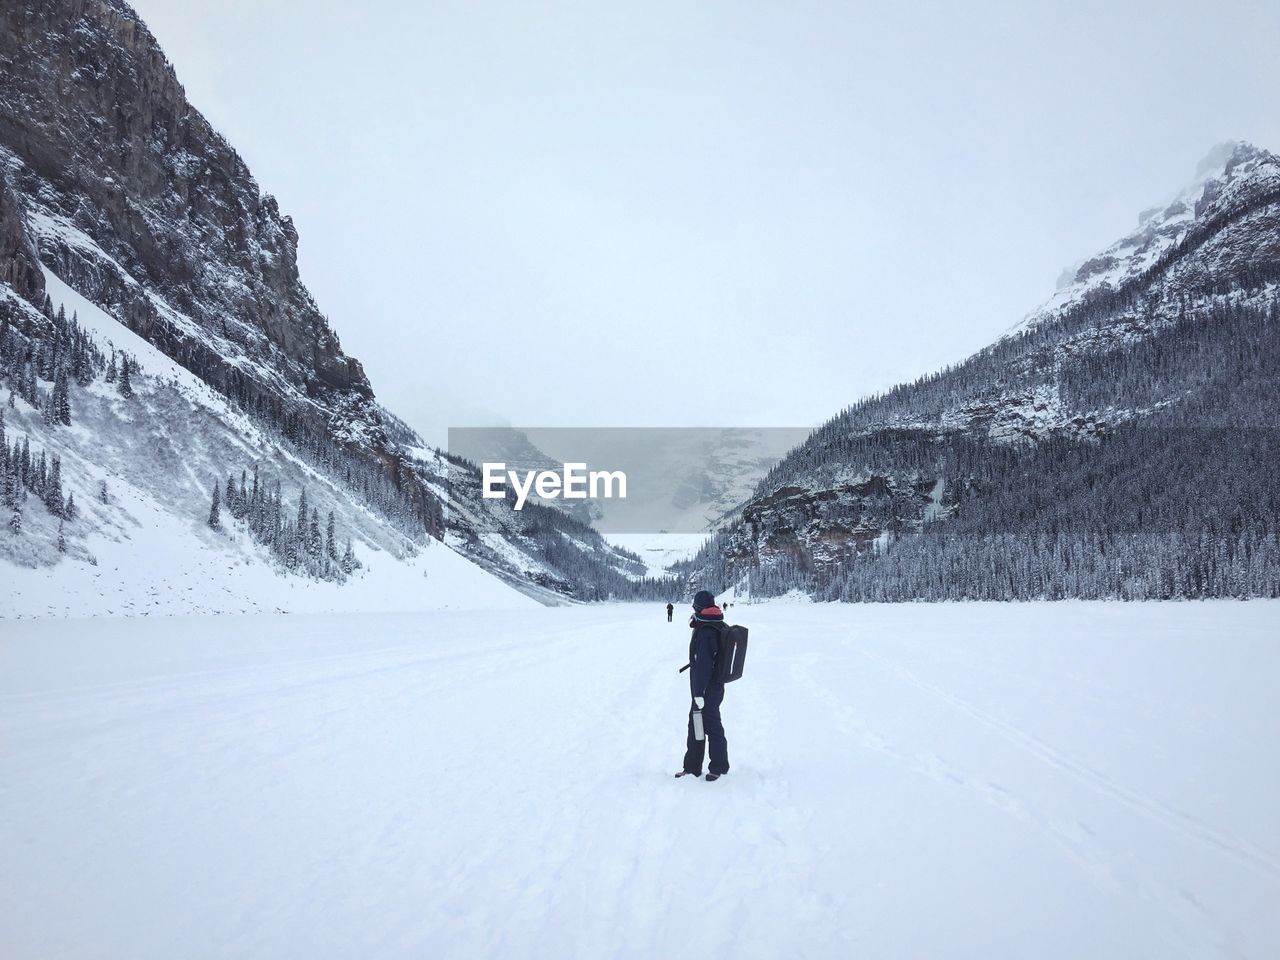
(731, 652)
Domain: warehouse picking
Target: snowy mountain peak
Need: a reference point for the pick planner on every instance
(1222, 159)
(1231, 176)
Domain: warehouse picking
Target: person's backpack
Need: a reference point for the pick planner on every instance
(731, 652)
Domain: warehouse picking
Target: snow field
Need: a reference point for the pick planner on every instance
(160, 566)
(1047, 780)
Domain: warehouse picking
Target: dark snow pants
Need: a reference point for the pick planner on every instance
(714, 730)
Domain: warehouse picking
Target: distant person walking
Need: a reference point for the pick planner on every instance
(707, 693)
(670, 610)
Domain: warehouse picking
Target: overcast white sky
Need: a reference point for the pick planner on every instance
(738, 213)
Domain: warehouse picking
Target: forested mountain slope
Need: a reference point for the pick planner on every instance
(1117, 443)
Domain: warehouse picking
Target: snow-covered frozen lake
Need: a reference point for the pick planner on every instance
(987, 781)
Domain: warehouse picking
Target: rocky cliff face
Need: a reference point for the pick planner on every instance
(124, 190)
(19, 262)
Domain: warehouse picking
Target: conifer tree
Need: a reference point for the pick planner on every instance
(9, 485)
(125, 387)
(53, 487)
(314, 543)
(215, 513)
(61, 398)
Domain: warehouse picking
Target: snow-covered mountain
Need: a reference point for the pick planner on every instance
(158, 345)
(1109, 445)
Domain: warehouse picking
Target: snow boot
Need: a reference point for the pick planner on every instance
(686, 773)
(713, 776)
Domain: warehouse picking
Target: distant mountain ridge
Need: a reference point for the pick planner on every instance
(679, 480)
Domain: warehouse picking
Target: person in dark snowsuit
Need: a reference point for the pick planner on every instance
(707, 693)
(670, 610)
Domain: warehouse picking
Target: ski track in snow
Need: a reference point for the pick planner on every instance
(1072, 836)
(1243, 851)
(907, 781)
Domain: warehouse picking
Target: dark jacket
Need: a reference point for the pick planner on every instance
(702, 649)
